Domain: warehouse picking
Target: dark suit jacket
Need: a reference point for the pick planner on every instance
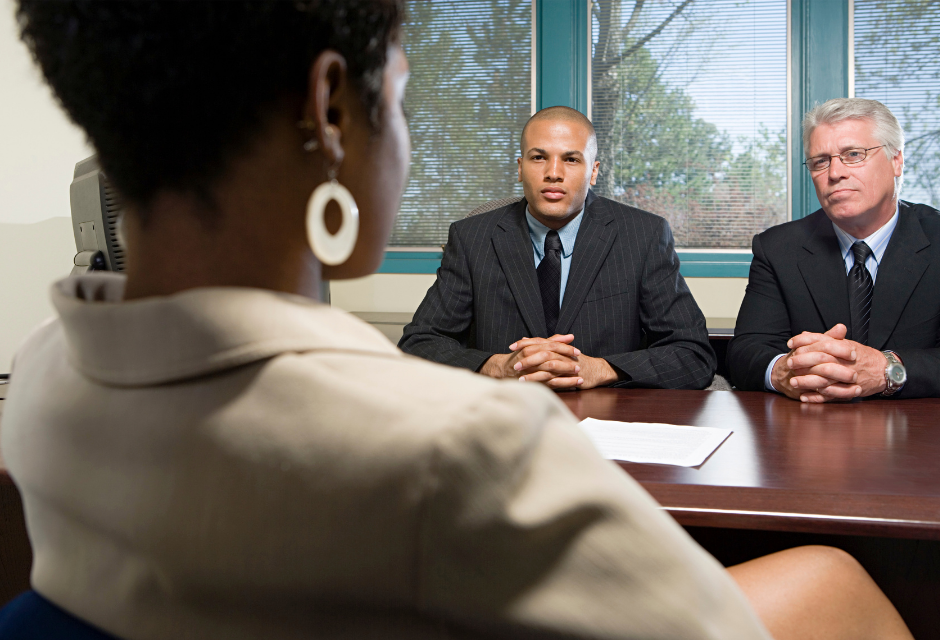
(624, 281)
(798, 283)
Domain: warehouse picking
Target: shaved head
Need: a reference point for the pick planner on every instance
(558, 164)
(564, 114)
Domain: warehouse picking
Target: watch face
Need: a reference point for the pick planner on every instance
(897, 374)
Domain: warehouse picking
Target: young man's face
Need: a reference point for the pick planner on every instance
(555, 171)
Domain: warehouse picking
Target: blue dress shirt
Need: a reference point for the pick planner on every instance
(567, 234)
(877, 242)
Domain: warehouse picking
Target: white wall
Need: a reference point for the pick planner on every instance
(39, 147)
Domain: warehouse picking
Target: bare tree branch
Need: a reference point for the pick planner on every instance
(608, 14)
(649, 36)
(925, 135)
(637, 8)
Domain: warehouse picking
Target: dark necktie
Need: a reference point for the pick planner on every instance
(549, 271)
(861, 288)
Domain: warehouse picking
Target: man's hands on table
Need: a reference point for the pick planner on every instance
(553, 361)
(822, 367)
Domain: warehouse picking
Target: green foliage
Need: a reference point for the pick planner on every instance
(896, 62)
(468, 99)
(655, 154)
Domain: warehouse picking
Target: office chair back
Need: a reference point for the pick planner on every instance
(29, 616)
(491, 205)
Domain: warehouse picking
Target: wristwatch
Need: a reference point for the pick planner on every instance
(895, 374)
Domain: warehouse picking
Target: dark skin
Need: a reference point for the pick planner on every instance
(245, 244)
(257, 238)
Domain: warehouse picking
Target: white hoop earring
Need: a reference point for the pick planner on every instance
(332, 249)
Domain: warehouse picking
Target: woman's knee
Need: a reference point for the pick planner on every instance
(827, 564)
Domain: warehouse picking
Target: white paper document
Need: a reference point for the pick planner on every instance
(654, 443)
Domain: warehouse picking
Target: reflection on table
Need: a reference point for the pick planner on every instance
(867, 467)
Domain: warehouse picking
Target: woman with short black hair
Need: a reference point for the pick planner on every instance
(205, 451)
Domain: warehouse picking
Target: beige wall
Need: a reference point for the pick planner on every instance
(32, 257)
(381, 293)
(39, 147)
(719, 298)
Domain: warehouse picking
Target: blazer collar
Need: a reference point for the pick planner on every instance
(595, 238)
(823, 271)
(514, 252)
(901, 268)
(196, 332)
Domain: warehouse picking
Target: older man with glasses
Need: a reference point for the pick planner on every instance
(845, 303)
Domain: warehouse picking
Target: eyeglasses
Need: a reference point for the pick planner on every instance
(852, 156)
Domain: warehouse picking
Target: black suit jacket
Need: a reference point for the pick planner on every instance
(623, 283)
(798, 283)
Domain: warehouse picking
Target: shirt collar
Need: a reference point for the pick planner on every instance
(567, 234)
(877, 242)
(195, 332)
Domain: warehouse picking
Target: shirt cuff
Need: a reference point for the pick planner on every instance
(770, 367)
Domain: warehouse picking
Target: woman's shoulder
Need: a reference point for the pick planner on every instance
(383, 394)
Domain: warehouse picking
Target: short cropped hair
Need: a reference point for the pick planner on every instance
(886, 128)
(569, 115)
(169, 92)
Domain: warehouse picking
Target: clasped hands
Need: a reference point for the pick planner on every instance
(822, 367)
(553, 361)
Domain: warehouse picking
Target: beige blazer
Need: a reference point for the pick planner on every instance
(237, 463)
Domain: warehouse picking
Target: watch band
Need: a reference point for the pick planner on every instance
(893, 362)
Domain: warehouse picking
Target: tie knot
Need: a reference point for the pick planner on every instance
(862, 251)
(552, 242)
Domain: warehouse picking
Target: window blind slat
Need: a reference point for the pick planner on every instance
(897, 63)
(689, 102)
(467, 100)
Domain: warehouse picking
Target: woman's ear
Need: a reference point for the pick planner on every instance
(324, 111)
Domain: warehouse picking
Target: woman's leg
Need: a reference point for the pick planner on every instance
(818, 592)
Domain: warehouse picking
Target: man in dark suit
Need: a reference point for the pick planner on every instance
(563, 287)
(845, 303)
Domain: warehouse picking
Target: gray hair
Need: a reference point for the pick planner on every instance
(886, 130)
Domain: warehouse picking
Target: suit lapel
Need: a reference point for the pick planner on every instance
(595, 238)
(514, 251)
(900, 270)
(823, 271)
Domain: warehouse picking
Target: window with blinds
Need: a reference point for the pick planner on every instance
(897, 63)
(689, 100)
(469, 95)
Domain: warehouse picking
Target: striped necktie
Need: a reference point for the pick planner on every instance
(861, 288)
(549, 272)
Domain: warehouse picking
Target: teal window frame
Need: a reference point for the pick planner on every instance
(694, 264)
(819, 63)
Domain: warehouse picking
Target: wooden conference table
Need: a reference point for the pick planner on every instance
(865, 468)
(863, 476)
